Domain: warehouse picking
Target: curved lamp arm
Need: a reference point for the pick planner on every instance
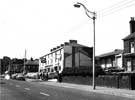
(78, 4)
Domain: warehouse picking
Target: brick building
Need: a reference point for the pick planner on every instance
(111, 59)
(129, 48)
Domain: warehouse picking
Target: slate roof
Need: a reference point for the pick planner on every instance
(115, 52)
(130, 36)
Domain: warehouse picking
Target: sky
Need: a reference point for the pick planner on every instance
(40, 25)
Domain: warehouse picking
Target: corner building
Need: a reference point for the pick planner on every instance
(69, 58)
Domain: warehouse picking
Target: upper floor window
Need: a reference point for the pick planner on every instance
(132, 47)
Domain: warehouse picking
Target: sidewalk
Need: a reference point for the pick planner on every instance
(103, 90)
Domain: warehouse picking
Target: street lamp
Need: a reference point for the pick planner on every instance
(78, 5)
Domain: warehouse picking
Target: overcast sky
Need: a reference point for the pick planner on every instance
(40, 25)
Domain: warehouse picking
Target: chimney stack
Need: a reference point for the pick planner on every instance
(66, 43)
(73, 41)
(132, 25)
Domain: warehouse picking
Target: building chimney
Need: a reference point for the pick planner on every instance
(73, 41)
(66, 43)
(58, 47)
(51, 50)
(62, 45)
(132, 25)
(54, 49)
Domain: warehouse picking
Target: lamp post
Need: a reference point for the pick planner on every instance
(78, 5)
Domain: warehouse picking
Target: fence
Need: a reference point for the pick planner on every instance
(123, 81)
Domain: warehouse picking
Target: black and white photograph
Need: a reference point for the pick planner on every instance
(67, 49)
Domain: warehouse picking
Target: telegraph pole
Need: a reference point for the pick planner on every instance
(24, 70)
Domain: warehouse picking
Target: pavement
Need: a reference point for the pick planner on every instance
(103, 90)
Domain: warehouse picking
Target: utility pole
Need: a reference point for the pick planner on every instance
(24, 70)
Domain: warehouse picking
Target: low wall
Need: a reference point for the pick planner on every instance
(123, 81)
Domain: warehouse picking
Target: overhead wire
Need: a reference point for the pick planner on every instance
(114, 5)
(115, 8)
(112, 9)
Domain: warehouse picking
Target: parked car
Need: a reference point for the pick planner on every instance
(20, 76)
(13, 76)
(114, 69)
(32, 75)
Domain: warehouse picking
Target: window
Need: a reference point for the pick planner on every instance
(129, 66)
(52, 70)
(59, 67)
(132, 47)
(56, 68)
(51, 61)
(48, 69)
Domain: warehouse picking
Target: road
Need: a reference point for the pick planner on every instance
(22, 90)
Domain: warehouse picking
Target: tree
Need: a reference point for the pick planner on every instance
(5, 64)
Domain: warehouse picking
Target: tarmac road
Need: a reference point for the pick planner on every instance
(22, 90)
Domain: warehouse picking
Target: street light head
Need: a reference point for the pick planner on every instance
(77, 5)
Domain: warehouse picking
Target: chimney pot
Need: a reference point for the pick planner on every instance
(132, 25)
(62, 45)
(73, 41)
(58, 47)
(66, 43)
(51, 50)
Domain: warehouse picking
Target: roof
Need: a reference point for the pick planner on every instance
(78, 45)
(132, 35)
(67, 44)
(30, 62)
(115, 52)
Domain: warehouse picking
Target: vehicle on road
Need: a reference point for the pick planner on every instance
(13, 76)
(20, 76)
(114, 69)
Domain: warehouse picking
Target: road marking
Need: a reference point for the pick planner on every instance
(44, 94)
(17, 85)
(27, 88)
(67, 86)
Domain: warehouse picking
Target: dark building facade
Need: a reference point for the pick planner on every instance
(129, 48)
(32, 65)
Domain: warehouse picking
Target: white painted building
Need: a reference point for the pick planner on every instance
(69, 55)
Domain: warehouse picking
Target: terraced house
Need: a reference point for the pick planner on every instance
(129, 48)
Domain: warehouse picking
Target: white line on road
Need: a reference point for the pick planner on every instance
(27, 88)
(17, 85)
(44, 94)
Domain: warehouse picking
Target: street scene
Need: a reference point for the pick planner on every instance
(50, 50)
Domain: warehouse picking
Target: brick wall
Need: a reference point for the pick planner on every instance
(127, 45)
